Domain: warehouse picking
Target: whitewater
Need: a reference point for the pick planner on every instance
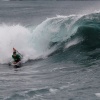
(60, 44)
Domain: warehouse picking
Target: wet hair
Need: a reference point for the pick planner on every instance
(14, 52)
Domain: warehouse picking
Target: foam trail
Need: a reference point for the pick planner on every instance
(73, 42)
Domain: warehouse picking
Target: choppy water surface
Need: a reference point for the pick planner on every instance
(60, 44)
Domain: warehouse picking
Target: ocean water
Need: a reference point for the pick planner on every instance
(60, 44)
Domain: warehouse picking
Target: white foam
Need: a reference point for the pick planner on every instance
(72, 43)
(15, 36)
(34, 43)
(53, 90)
(97, 94)
(20, 37)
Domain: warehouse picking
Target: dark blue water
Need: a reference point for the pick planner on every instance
(60, 43)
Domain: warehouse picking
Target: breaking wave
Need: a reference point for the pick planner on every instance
(57, 34)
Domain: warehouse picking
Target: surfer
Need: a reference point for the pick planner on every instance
(16, 63)
(16, 57)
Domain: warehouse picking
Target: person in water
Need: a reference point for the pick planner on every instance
(16, 57)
